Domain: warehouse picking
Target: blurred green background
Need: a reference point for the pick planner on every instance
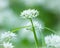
(49, 15)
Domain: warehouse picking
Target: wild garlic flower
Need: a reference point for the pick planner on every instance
(30, 13)
(53, 41)
(38, 25)
(7, 35)
(7, 45)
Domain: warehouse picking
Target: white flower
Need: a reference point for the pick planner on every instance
(38, 25)
(7, 45)
(53, 40)
(7, 35)
(30, 13)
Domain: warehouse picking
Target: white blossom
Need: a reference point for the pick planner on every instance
(38, 25)
(30, 13)
(7, 45)
(53, 40)
(7, 35)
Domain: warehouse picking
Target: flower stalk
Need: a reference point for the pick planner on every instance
(16, 29)
(50, 30)
(36, 40)
(29, 14)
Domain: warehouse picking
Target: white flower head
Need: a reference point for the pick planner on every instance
(7, 35)
(53, 40)
(7, 45)
(30, 13)
(37, 25)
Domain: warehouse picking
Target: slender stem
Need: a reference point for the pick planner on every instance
(19, 28)
(36, 40)
(42, 38)
(50, 30)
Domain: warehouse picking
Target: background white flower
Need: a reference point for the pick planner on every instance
(30, 13)
(7, 35)
(53, 40)
(7, 45)
(37, 24)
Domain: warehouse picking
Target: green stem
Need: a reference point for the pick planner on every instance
(36, 40)
(42, 38)
(50, 30)
(19, 28)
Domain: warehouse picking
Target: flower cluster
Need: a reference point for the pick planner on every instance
(7, 35)
(6, 38)
(7, 45)
(38, 26)
(53, 41)
(30, 13)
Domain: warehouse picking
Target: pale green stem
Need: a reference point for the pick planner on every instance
(19, 28)
(33, 28)
(50, 30)
(42, 38)
(43, 41)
